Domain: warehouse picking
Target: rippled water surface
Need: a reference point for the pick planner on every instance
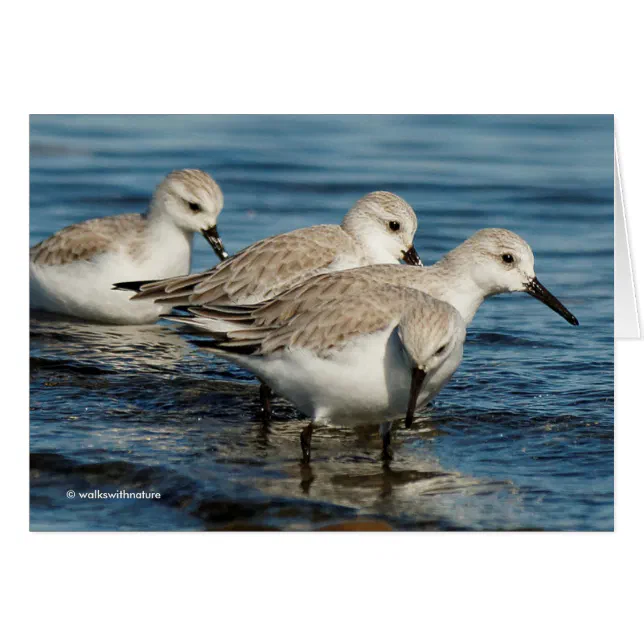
(521, 438)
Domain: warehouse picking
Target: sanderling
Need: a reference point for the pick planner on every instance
(379, 229)
(370, 358)
(72, 272)
(492, 261)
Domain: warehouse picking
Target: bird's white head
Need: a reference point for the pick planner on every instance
(193, 201)
(432, 333)
(384, 225)
(502, 262)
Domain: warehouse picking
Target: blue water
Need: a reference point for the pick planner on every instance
(521, 438)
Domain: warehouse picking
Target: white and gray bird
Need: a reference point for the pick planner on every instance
(367, 359)
(490, 262)
(72, 272)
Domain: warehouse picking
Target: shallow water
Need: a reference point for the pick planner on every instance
(521, 438)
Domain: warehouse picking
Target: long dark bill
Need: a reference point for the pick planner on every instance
(411, 257)
(212, 236)
(538, 290)
(417, 379)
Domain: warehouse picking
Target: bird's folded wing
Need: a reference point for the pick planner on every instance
(257, 273)
(86, 240)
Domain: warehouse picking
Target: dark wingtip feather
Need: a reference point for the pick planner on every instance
(219, 342)
(130, 286)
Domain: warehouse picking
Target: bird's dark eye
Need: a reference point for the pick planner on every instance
(394, 225)
(441, 350)
(195, 207)
(507, 258)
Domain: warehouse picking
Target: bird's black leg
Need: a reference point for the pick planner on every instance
(305, 442)
(265, 400)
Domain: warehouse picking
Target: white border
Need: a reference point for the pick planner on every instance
(626, 306)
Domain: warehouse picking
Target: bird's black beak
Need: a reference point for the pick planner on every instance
(411, 257)
(538, 290)
(212, 236)
(417, 379)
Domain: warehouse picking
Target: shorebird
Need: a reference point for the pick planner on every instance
(367, 359)
(379, 229)
(490, 262)
(72, 272)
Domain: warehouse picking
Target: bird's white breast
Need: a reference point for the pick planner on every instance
(84, 288)
(367, 381)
